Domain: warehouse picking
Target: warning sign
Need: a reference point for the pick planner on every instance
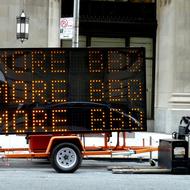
(66, 28)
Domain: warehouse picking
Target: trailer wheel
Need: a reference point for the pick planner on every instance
(66, 158)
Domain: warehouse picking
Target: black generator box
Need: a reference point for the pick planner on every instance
(173, 154)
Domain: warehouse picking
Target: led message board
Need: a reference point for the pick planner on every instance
(49, 90)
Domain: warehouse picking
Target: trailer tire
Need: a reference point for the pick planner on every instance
(66, 158)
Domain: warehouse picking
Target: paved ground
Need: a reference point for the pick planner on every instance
(38, 175)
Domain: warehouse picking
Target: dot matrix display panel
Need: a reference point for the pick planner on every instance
(78, 90)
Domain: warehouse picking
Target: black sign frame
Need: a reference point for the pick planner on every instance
(72, 90)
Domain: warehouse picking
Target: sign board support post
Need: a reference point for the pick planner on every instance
(75, 39)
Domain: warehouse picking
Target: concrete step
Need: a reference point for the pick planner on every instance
(141, 171)
(133, 166)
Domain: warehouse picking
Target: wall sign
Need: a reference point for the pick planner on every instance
(66, 28)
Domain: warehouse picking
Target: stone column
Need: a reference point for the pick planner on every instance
(53, 23)
(172, 88)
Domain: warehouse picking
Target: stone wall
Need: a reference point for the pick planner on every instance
(44, 22)
(172, 95)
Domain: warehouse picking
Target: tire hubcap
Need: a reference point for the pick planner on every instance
(66, 157)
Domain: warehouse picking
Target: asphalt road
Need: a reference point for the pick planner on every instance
(93, 175)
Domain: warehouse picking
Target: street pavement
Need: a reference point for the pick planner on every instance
(92, 175)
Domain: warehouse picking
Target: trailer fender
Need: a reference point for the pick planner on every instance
(55, 140)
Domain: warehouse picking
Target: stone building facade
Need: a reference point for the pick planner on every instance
(171, 73)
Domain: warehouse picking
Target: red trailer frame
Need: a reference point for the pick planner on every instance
(46, 148)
